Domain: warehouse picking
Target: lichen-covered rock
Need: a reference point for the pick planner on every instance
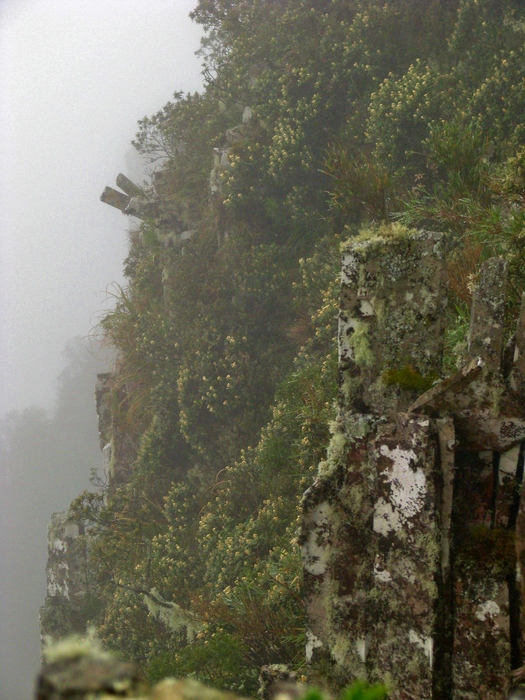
(487, 314)
(117, 443)
(407, 532)
(370, 537)
(86, 677)
(61, 614)
(188, 689)
(77, 668)
(488, 405)
(278, 679)
(103, 406)
(393, 298)
(407, 549)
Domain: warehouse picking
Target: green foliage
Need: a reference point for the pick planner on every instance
(409, 378)
(219, 661)
(402, 111)
(410, 113)
(311, 69)
(359, 690)
(361, 186)
(460, 152)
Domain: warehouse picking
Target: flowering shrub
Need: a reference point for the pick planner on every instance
(226, 370)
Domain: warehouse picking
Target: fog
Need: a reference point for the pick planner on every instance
(75, 78)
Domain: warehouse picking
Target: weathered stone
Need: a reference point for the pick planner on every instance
(85, 677)
(61, 614)
(487, 314)
(516, 694)
(136, 202)
(407, 546)
(115, 198)
(483, 563)
(221, 164)
(391, 323)
(188, 689)
(277, 680)
(78, 669)
(372, 548)
(129, 187)
(117, 442)
(488, 414)
(517, 373)
(488, 408)
(103, 407)
(407, 536)
(447, 447)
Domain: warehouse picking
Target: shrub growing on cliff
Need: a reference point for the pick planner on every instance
(226, 370)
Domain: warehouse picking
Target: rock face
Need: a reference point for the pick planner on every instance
(77, 669)
(407, 535)
(63, 611)
(70, 602)
(116, 441)
(85, 676)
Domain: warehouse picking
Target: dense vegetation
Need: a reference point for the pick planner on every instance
(361, 112)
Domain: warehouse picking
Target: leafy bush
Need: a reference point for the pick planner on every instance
(226, 370)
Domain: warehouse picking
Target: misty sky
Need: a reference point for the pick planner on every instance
(75, 77)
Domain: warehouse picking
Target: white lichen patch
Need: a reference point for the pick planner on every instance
(106, 456)
(382, 575)
(349, 269)
(488, 609)
(172, 615)
(57, 580)
(58, 545)
(312, 642)
(386, 518)
(408, 485)
(508, 463)
(362, 646)
(424, 643)
(316, 549)
(366, 308)
(405, 568)
(74, 647)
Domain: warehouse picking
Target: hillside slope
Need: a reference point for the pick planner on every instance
(319, 117)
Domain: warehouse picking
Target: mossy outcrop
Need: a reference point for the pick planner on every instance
(403, 512)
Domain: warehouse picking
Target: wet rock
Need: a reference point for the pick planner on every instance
(86, 676)
(188, 689)
(62, 612)
(277, 680)
(407, 532)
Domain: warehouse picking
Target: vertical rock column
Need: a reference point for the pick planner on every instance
(485, 497)
(118, 445)
(62, 613)
(372, 545)
(105, 418)
(486, 402)
(406, 540)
